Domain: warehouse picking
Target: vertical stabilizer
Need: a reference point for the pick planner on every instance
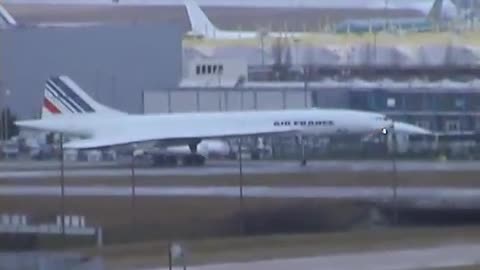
(435, 13)
(199, 21)
(7, 17)
(63, 96)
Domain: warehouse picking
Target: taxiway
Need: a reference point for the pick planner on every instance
(111, 169)
(426, 258)
(456, 198)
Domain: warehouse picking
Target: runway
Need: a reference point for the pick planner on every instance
(34, 180)
(426, 258)
(465, 198)
(32, 170)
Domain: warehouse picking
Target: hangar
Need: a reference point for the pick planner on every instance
(114, 63)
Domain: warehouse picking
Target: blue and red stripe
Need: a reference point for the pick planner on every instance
(72, 96)
(50, 106)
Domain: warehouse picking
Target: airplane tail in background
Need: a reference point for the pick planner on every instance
(63, 96)
(198, 20)
(435, 13)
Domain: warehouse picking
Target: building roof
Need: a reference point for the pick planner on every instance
(389, 85)
(297, 19)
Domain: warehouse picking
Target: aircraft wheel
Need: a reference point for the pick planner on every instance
(199, 160)
(171, 161)
(158, 160)
(255, 155)
(164, 160)
(193, 160)
(303, 162)
(187, 160)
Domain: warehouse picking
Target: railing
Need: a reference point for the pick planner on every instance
(74, 225)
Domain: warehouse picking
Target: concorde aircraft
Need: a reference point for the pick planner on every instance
(69, 110)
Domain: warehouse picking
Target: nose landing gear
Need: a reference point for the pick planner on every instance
(301, 143)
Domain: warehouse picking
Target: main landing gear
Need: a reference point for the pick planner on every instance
(301, 143)
(194, 159)
(169, 160)
(164, 160)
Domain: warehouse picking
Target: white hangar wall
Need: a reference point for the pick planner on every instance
(204, 100)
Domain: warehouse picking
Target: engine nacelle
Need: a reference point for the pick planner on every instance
(205, 148)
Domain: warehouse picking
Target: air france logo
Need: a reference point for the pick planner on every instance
(303, 123)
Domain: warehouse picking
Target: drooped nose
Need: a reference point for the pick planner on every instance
(406, 128)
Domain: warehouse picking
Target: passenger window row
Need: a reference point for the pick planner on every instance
(303, 123)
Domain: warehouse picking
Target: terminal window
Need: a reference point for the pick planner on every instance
(391, 102)
(460, 103)
(209, 69)
(452, 125)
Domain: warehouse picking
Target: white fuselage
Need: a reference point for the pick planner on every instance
(203, 124)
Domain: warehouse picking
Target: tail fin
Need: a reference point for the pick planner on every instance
(63, 96)
(435, 13)
(7, 17)
(198, 20)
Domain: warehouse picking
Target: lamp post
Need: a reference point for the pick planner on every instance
(296, 41)
(240, 174)
(395, 176)
(394, 170)
(263, 33)
(375, 50)
(306, 80)
(5, 114)
(62, 188)
(133, 191)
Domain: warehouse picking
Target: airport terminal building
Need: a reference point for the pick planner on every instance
(444, 106)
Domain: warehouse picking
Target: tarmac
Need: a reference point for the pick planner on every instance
(417, 197)
(33, 170)
(425, 258)
(424, 198)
